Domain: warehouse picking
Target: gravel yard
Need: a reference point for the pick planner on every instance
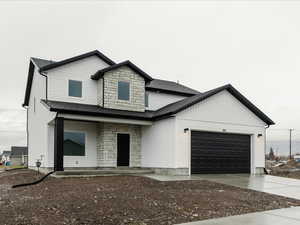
(114, 200)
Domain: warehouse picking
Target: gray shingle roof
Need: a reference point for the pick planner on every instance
(19, 150)
(41, 62)
(94, 110)
(5, 153)
(170, 86)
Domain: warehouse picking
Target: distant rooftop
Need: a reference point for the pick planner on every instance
(19, 150)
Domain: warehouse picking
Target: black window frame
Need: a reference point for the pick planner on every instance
(146, 99)
(69, 86)
(123, 99)
(66, 151)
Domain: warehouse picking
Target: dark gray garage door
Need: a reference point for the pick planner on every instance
(219, 153)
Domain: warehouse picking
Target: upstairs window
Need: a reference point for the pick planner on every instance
(123, 90)
(74, 144)
(146, 99)
(75, 88)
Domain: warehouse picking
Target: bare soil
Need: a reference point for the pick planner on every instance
(284, 173)
(288, 170)
(133, 200)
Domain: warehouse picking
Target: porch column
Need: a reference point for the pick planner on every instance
(59, 144)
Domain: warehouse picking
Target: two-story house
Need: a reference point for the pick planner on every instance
(88, 112)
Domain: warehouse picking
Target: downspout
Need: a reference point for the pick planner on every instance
(103, 92)
(266, 127)
(44, 177)
(27, 138)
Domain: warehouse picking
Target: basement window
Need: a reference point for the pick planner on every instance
(74, 143)
(75, 88)
(123, 90)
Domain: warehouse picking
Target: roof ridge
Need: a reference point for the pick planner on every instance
(128, 63)
(40, 58)
(78, 57)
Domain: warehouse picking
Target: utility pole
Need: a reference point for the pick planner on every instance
(290, 143)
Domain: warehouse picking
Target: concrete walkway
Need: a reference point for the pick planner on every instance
(286, 187)
(288, 216)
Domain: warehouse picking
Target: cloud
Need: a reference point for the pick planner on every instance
(12, 128)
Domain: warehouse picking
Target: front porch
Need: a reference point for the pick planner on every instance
(85, 146)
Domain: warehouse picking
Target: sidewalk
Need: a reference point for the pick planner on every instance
(288, 216)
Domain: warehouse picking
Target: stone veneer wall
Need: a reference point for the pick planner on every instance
(137, 90)
(107, 144)
(100, 92)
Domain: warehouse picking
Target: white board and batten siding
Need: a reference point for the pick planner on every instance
(38, 118)
(81, 70)
(158, 144)
(166, 145)
(90, 157)
(41, 133)
(158, 100)
(219, 113)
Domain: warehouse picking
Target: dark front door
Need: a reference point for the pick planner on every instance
(220, 153)
(123, 149)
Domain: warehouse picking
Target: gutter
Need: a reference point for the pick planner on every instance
(45, 75)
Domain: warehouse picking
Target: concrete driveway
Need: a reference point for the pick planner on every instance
(286, 187)
(289, 216)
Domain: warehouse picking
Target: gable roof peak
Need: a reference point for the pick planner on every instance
(100, 73)
(76, 58)
(183, 104)
(41, 62)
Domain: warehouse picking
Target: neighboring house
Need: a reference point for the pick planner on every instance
(297, 158)
(19, 155)
(5, 156)
(88, 112)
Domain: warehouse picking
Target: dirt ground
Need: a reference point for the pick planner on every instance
(287, 170)
(295, 174)
(133, 200)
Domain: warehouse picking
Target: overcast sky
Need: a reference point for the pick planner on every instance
(254, 46)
